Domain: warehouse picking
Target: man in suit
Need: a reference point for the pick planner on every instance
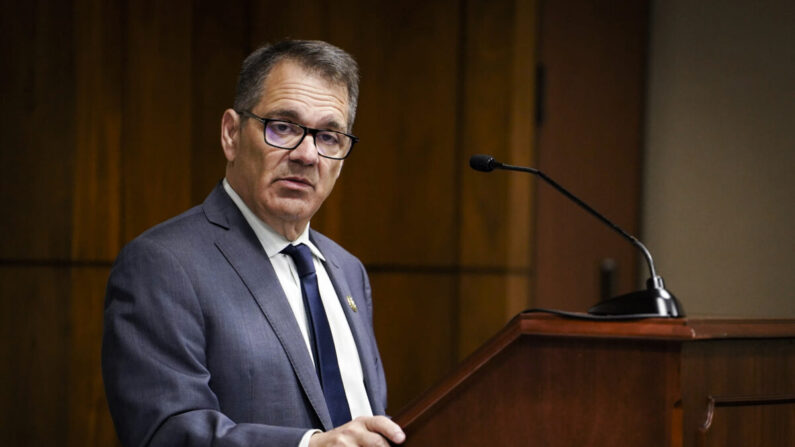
(234, 324)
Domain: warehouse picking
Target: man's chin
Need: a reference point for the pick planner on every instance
(292, 211)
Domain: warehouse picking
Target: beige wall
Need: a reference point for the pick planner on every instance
(719, 193)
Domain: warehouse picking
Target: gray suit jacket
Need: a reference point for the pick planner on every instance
(200, 346)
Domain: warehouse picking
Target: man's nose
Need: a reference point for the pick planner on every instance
(306, 152)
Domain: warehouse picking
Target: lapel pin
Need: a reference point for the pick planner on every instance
(351, 304)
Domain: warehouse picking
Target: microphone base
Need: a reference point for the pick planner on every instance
(652, 302)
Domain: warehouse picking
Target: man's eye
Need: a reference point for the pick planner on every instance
(328, 138)
(282, 128)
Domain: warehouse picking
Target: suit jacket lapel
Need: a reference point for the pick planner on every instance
(241, 248)
(359, 327)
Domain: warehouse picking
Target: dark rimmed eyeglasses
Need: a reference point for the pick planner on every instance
(288, 135)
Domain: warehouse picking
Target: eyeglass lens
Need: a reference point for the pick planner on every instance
(288, 135)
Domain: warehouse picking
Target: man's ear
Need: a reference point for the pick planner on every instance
(230, 133)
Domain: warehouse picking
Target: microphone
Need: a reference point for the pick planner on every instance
(484, 163)
(654, 301)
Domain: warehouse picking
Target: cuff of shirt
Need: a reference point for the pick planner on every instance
(305, 440)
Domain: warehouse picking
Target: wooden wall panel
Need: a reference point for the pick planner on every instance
(497, 120)
(88, 418)
(270, 21)
(51, 379)
(219, 44)
(415, 329)
(407, 166)
(485, 302)
(37, 130)
(96, 191)
(594, 53)
(522, 139)
(156, 149)
(34, 325)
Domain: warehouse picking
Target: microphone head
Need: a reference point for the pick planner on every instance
(483, 163)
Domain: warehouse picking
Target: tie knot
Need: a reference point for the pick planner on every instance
(302, 257)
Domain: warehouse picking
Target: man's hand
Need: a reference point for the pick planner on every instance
(362, 431)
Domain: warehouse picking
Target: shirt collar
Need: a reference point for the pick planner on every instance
(271, 241)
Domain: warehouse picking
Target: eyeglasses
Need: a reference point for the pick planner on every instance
(288, 135)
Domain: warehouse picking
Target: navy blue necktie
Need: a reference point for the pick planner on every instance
(325, 355)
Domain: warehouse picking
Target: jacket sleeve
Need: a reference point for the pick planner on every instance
(153, 360)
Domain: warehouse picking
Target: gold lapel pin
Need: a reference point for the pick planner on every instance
(351, 304)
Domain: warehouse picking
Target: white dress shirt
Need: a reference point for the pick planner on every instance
(347, 355)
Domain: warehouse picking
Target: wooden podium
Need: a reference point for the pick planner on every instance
(548, 381)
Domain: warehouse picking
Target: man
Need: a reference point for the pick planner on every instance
(234, 324)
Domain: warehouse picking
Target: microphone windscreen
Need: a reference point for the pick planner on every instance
(482, 162)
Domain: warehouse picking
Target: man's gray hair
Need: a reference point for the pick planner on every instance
(318, 57)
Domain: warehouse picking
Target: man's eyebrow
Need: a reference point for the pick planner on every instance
(334, 125)
(292, 115)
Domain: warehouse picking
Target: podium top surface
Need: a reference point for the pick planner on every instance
(653, 328)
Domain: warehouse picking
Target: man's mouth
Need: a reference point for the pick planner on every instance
(296, 182)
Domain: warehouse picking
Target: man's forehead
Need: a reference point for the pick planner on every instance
(291, 90)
